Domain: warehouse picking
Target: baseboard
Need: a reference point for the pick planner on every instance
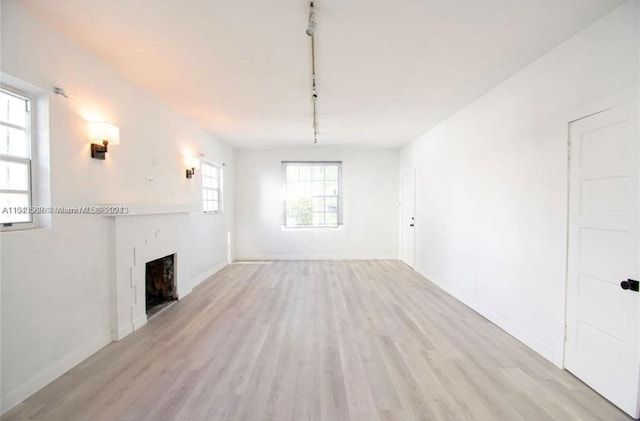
(122, 332)
(139, 321)
(521, 335)
(317, 257)
(198, 279)
(15, 397)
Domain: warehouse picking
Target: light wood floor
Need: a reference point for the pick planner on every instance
(339, 340)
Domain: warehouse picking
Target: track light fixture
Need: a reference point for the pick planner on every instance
(311, 27)
(311, 31)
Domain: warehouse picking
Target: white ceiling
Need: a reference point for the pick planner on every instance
(388, 70)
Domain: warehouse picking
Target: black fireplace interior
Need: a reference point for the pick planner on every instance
(160, 280)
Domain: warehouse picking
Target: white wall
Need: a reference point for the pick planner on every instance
(370, 206)
(492, 183)
(56, 306)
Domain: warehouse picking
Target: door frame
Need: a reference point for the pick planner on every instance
(578, 113)
(412, 173)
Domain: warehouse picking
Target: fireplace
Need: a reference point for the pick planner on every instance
(160, 284)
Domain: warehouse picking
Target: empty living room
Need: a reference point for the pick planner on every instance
(319, 210)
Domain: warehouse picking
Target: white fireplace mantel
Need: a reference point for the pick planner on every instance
(146, 232)
(136, 209)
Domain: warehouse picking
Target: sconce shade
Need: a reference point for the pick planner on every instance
(100, 132)
(192, 162)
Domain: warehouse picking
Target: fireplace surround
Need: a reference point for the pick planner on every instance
(146, 233)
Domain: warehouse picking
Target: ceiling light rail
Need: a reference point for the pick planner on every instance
(311, 31)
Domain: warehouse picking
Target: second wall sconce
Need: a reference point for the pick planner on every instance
(101, 136)
(191, 163)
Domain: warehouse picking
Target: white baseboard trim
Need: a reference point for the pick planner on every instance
(317, 257)
(521, 335)
(139, 322)
(198, 279)
(184, 292)
(122, 332)
(57, 369)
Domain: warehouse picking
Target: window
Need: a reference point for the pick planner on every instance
(211, 187)
(312, 194)
(15, 160)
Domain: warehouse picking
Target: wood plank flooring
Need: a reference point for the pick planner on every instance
(317, 340)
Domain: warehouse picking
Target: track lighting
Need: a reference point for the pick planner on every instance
(311, 27)
(311, 30)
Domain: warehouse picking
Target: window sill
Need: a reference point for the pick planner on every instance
(24, 226)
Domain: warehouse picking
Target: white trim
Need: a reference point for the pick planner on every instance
(137, 209)
(218, 189)
(312, 228)
(122, 331)
(316, 257)
(139, 322)
(602, 104)
(27, 160)
(339, 197)
(577, 113)
(54, 371)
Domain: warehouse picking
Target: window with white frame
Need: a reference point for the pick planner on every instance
(312, 194)
(211, 187)
(15, 160)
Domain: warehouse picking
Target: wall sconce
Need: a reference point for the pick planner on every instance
(192, 163)
(101, 135)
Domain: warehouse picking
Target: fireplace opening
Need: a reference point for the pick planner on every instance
(160, 280)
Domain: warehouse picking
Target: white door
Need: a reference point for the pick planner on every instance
(407, 218)
(602, 345)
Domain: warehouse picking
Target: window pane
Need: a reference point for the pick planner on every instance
(331, 188)
(331, 219)
(13, 110)
(318, 172)
(292, 189)
(318, 219)
(317, 204)
(292, 172)
(10, 204)
(299, 210)
(317, 188)
(305, 189)
(331, 204)
(14, 176)
(13, 142)
(331, 172)
(215, 206)
(305, 172)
